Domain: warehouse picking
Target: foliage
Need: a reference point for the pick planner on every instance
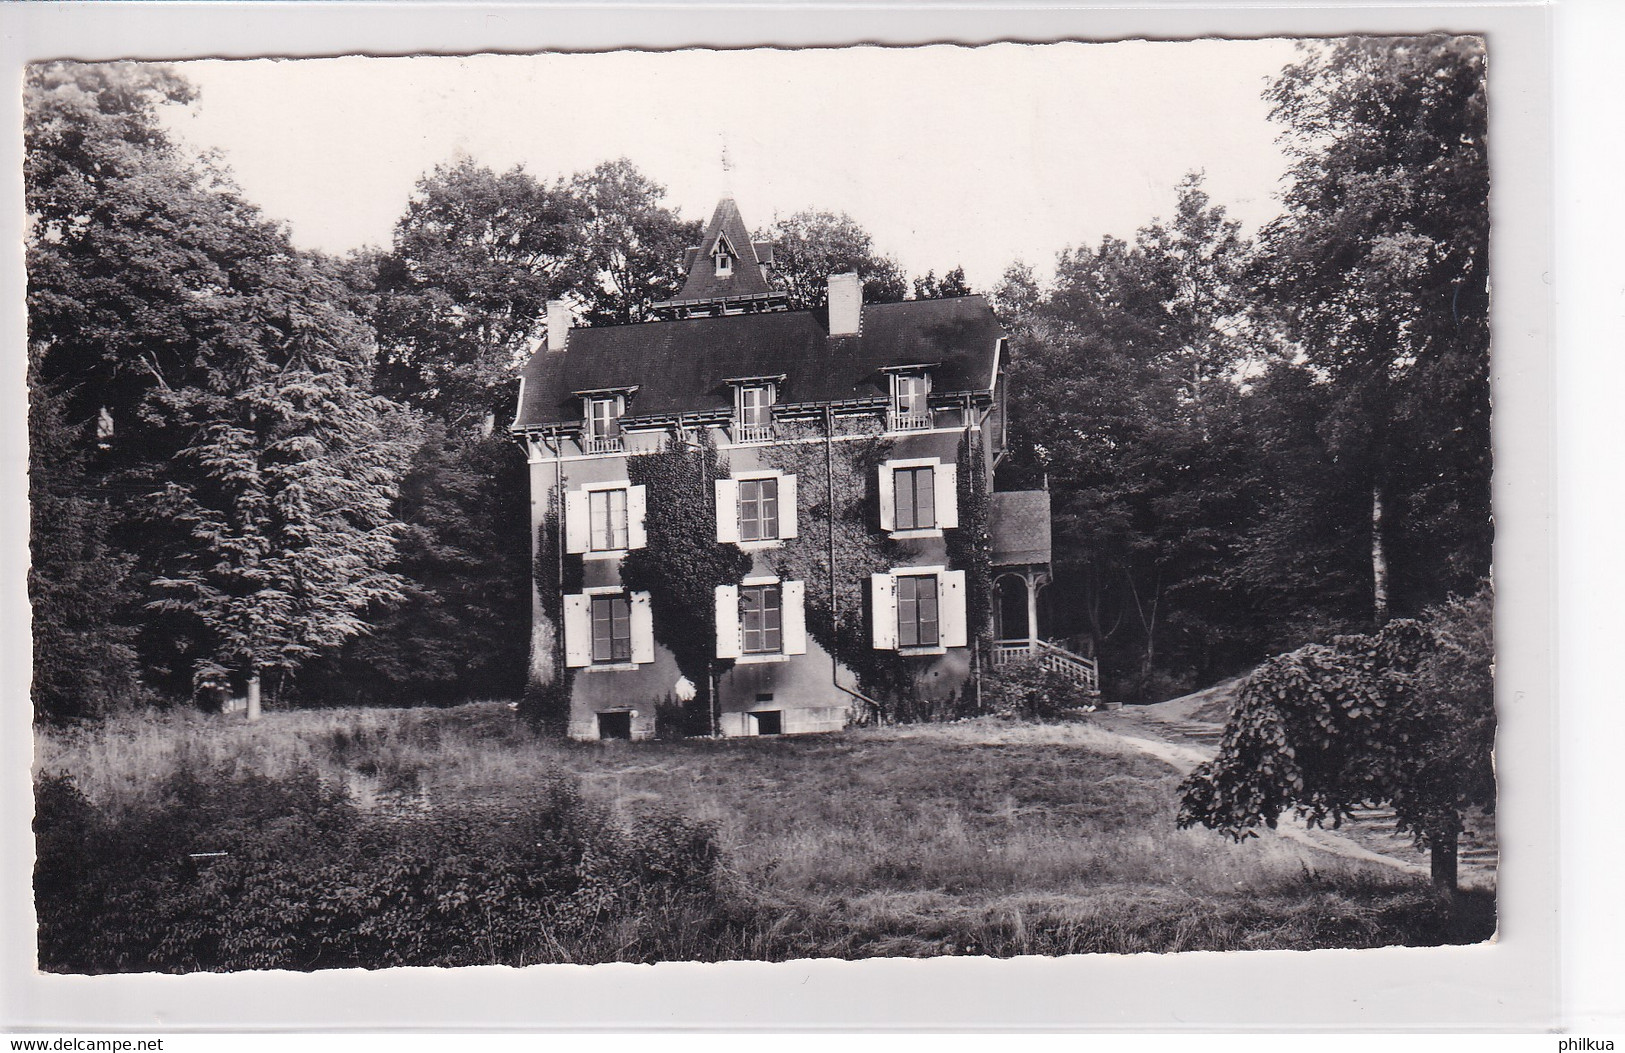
(84, 654)
(462, 296)
(1125, 380)
(682, 563)
(1379, 271)
(462, 626)
(1024, 689)
(861, 549)
(549, 682)
(633, 243)
(810, 246)
(306, 881)
(951, 284)
(970, 547)
(1403, 717)
(285, 488)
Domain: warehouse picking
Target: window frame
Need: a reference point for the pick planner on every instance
(913, 472)
(610, 599)
(756, 482)
(607, 493)
(918, 644)
(898, 418)
(772, 636)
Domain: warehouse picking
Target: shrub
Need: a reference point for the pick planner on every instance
(1022, 687)
(303, 880)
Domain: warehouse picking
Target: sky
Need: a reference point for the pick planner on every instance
(947, 155)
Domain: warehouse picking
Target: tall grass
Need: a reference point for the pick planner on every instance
(988, 837)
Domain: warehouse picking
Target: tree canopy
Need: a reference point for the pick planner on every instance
(810, 246)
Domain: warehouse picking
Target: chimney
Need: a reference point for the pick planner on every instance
(558, 325)
(845, 304)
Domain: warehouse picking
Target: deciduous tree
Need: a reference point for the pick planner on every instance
(810, 246)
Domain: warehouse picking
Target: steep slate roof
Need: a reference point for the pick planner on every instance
(746, 278)
(682, 366)
(1019, 523)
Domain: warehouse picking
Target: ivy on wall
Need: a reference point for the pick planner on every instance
(970, 548)
(682, 564)
(549, 682)
(861, 549)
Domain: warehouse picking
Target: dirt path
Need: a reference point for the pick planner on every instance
(1182, 757)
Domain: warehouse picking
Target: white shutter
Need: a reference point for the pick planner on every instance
(792, 603)
(728, 621)
(883, 601)
(577, 631)
(888, 499)
(643, 629)
(576, 521)
(637, 504)
(951, 620)
(727, 510)
(946, 478)
(787, 506)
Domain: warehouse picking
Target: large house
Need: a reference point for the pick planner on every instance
(786, 397)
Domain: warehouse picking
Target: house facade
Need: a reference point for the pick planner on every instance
(847, 439)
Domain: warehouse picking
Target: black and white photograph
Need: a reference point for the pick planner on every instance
(761, 505)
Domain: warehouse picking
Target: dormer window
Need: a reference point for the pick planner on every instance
(909, 410)
(603, 425)
(723, 256)
(753, 413)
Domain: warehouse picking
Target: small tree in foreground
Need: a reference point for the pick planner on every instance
(1404, 717)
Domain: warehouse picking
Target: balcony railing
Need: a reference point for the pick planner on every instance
(896, 421)
(745, 433)
(603, 444)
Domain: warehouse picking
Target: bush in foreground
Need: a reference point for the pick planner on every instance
(248, 872)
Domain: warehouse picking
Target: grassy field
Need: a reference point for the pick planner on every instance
(981, 837)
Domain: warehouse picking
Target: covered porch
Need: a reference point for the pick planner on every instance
(1020, 527)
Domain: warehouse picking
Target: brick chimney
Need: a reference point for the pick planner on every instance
(845, 304)
(558, 325)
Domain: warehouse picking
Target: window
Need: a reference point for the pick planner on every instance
(917, 611)
(909, 408)
(753, 413)
(725, 264)
(915, 490)
(919, 497)
(760, 619)
(607, 516)
(604, 417)
(611, 629)
(607, 629)
(758, 509)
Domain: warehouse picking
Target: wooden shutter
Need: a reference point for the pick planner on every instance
(952, 622)
(637, 504)
(643, 629)
(727, 620)
(577, 631)
(577, 521)
(883, 602)
(787, 506)
(888, 499)
(947, 480)
(727, 510)
(793, 599)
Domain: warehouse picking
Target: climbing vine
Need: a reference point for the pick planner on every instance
(970, 548)
(549, 682)
(861, 549)
(681, 564)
